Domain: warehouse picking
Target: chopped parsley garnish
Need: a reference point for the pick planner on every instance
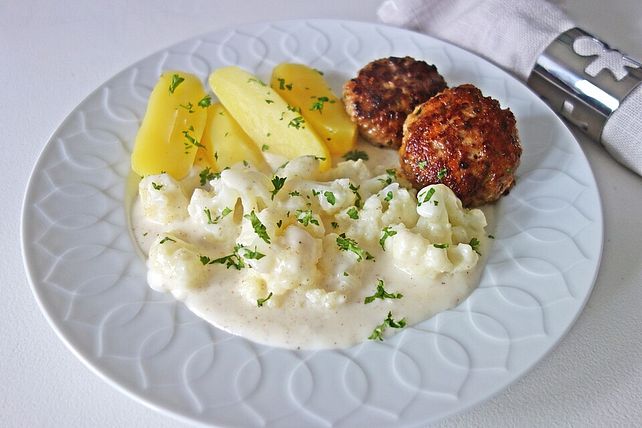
(348, 244)
(422, 164)
(442, 173)
(278, 183)
(207, 175)
(191, 141)
(391, 176)
(269, 101)
(255, 80)
(306, 217)
(265, 147)
(279, 223)
(205, 260)
(441, 246)
(165, 239)
(189, 107)
(427, 195)
(329, 196)
(491, 236)
(381, 293)
(209, 216)
(157, 186)
(283, 85)
(261, 302)
(205, 102)
(386, 233)
(334, 224)
(232, 260)
(235, 259)
(294, 193)
(297, 122)
(259, 228)
(355, 155)
(388, 197)
(252, 255)
(353, 213)
(318, 104)
(355, 190)
(210, 220)
(377, 333)
(176, 80)
(474, 243)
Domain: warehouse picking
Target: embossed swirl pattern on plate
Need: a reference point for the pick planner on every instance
(90, 281)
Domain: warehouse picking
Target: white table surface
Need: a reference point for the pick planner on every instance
(55, 53)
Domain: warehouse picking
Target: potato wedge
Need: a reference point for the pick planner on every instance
(305, 87)
(266, 117)
(171, 130)
(226, 144)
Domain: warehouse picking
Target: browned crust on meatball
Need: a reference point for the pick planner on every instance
(464, 140)
(384, 92)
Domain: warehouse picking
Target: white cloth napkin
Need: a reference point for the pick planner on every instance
(512, 34)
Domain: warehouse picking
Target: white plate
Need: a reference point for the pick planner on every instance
(90, 281)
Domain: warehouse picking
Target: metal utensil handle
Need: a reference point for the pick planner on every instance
(584, 80)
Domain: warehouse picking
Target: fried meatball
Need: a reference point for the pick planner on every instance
(464, 140)
(384, 92)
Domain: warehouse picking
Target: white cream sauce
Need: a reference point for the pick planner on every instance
(290, 320)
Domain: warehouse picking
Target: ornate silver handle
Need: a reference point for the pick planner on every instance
(584, 80)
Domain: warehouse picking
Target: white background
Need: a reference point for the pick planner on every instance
(52, 54)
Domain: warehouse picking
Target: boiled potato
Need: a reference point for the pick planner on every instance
(170, 133)
(266, 117)
(225, 143)
(305, 87)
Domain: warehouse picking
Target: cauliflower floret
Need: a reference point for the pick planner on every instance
(352, 170)
(290, 260)
(329, 197)
(373, 185)
(325, 299)
(303, 167)
(442, 238)
(175, 266)
(415, 255)
(214, 217)
(340, 269)
(363, 224)
(162, 199)
(401, 206)
(253, 288)
(463, 257)
(258, 230)
(250, 185)
(443, 219)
